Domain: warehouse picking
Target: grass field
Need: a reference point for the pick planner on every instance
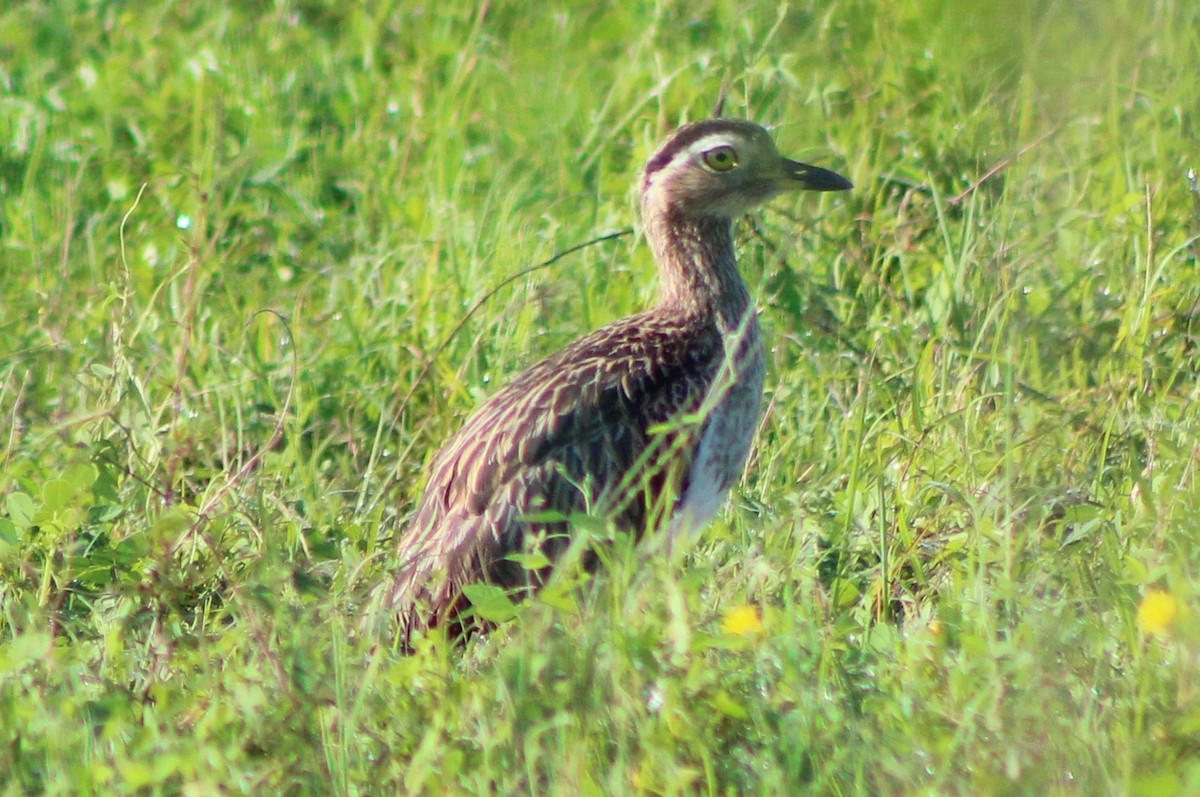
(240, 247)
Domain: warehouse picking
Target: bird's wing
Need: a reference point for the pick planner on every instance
(573, 434)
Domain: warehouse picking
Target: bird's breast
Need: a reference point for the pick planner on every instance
(733, 408)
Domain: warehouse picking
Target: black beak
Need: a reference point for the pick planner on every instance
(814, 178)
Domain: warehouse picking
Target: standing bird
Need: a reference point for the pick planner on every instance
(646, 421)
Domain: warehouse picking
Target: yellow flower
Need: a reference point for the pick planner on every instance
(742, 620)
(1157, 611)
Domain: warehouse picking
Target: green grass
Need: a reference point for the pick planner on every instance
(235, 242)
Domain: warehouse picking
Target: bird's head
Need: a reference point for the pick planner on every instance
(721, 168)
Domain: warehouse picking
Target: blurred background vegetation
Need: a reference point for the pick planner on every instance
(239, 244)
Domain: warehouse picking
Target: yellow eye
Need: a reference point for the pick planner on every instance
(721, 159)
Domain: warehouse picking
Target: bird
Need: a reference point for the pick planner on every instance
(646, 422)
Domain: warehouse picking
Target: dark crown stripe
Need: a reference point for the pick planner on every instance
(690, 134)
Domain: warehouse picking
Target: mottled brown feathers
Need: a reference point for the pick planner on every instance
(558, 440)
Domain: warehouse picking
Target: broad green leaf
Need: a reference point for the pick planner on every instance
(21, 509)
(490, 602)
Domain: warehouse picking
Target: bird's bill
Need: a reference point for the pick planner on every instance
(812, 178)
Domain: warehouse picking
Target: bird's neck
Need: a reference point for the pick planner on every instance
(697, 266)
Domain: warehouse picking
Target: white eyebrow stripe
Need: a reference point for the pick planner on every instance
(709, 142)
(691, 152)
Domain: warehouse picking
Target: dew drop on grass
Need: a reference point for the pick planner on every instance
(55, 99)
(655, 699)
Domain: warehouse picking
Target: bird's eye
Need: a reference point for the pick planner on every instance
(721, 159)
